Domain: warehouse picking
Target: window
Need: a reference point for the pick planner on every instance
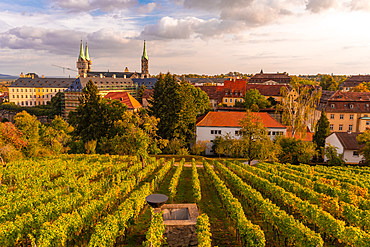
(13, 90)
(225, 100)
(25, 90)
(350, 127)
(269, 133)
(367, 122)
(332, 105)
(216, 132)
(355, 153)
(351, 106)
(17, 90)
(331, 126)
(351, 117)
(331, 116)
(340, 127)
(341, 116)
(30, 102)
(13, 96)
(273, 133)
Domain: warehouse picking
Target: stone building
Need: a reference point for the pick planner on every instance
(270, 78)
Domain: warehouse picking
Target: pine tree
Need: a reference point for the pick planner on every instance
(322, 130)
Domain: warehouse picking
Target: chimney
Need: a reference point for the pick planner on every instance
(42, 76)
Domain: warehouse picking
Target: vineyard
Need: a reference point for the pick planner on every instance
(99, 200)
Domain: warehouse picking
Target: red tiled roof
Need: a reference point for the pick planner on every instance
(125, 98)
(232, 119)
(308, 136)
(235, 85)
(213, 92)
(271, 76)
(350, 96)
(348, 102)
(266, 90)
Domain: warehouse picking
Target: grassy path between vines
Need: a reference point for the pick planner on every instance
(223, 234)
(136, 233)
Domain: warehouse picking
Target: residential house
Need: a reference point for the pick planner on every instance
(221, 123)
(354, 81)
(348, 111)
(234, 91)
(346, 144)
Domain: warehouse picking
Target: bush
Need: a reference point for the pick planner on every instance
(295, 151)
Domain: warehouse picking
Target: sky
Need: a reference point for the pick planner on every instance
(186, 36)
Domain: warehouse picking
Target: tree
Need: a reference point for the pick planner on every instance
(322, 130)
(363, 87)
(364, 139)
(11, 142)
(177, 106)
(254, 143)
(253, 100)
(57, 135)
(327, 82)
(298, 107)
(295, 151)
(334, 159)
(94, 117)
(56, 107)
(29, 126)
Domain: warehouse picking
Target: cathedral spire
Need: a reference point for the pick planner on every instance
(82, 55)
(144, 63)
(145, 55)
(87, 57)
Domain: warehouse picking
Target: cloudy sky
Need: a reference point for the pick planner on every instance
(186, 36)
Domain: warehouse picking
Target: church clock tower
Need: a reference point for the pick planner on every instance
(82, 62)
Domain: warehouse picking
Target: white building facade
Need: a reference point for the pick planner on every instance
(216, 124)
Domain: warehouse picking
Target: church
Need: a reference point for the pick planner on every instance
(84, 67)
(106, 81)
(31, 90)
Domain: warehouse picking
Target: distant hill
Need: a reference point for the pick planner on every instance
(2, 76)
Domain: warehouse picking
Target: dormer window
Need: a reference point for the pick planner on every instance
(332, 105)
(351, 106)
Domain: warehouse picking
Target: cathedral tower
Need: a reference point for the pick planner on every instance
(82, 63)
(145, 63)
(87, 57)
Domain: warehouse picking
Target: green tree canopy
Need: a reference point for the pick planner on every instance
(253, 143)
(295, 151)
(177, 105)
(94, 117)
(327, 82)
(322, 130)
(364, 139)
(253, 100)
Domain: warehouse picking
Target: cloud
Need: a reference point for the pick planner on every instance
(102, 43)
(89, 5)
(360, 5)
(148, 8)
(317, 6)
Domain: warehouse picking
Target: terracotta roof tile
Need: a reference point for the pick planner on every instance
(125, 98)
(232, 119)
